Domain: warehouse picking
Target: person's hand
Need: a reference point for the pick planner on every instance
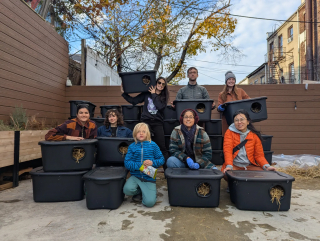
(213, 106)
(220, 108)
(226, 169)
(192, 165)
(173, 106)
(152, 89)
(121, 88)
(271, 168)
(147, 163)
(74, 138)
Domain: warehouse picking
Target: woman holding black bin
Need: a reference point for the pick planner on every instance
(229, 93)
(155, 101)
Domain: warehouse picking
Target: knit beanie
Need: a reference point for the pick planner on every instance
(196, 117)
(229, 75)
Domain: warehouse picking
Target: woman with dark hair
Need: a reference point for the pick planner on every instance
(155, 101)
(75, 129)
(114, 125)
(189, 144)
(229, 93)
(242, 146)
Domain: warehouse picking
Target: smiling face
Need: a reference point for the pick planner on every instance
(241, 122)
(231, 82)
(83, 114)
(188, 119)
(112, 118)
(161, 83)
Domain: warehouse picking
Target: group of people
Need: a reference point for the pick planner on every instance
(190, 145)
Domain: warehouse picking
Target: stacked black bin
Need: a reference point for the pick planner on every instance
(214, 130)
(131, 115)
(75, 103)
(170, 122)
(60, 178)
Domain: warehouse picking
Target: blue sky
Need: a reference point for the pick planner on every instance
(250, 38)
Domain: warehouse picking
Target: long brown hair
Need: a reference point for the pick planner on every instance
(120, 121)
(225, 92)
(250, 126)
(164, 95)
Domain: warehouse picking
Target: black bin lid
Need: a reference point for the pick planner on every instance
(266, 136)
(103, 106)
(183, 173)
(115, 138)
(40, 172)
(246, 100)
(193, 100)
(259, 176)
(137, 72)
(82, 101)
(67, 142)
(106, 173)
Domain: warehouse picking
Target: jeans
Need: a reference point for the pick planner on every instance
(135, 186)
(175, 162)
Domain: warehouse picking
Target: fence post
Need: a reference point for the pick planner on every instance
(16, 157)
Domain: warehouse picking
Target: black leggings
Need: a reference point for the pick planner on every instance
(157, 135)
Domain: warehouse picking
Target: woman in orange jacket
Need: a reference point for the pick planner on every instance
(229, 93)
(251, 155)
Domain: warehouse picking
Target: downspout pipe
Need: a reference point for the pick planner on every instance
(309, 39)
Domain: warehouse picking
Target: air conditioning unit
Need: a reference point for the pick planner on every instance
(290, 39)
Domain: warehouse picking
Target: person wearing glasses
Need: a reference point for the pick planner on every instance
(75, 129)
(190, 145)
(155, 101)
(250, 156)
(114, 126)
(229, 93)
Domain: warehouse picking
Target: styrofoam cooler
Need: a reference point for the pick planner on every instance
(250, 190)
(131, 112)
(131, 124)
(169, 113)
(216, 142)
(256, 108)
(59, 156)
(105, 108)
(268, 156)
(266, 142)
(169, 125)
(109, 150)
(99, 121)
(104, 187)
(213, 127)
(184, 184)
(57, 186)
(75, 103)
(202, 108)
(139, 81)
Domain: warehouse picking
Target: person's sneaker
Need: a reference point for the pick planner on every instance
(137, 198)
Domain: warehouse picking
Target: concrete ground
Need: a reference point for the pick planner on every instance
(23, 219)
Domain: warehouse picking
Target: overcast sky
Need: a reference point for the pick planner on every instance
(250, 37)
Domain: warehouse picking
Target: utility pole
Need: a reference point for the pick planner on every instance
(83, 62)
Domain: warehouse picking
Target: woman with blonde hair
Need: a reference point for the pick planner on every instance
(142, 152)
(229, 93)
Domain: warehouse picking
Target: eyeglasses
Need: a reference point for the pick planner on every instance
(188, 117)
(240, 120)
(160, 83)
(193, 72)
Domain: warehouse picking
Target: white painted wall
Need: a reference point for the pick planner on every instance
(98, 72)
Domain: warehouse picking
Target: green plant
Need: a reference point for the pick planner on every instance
(19, 118)
(5, 127)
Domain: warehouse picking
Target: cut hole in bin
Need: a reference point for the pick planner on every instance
(201, 108)
(146, 79)
(256, 107)
(78, 153)
(277, 193)
(123, 148)
(203, 189)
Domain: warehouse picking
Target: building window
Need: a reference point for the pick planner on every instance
(256, 81)
(291, 73)
(304, 21)
(280, 45)
(271, 52)
(290, 34)
(262, 79)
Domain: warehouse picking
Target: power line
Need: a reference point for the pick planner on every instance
(224, 64)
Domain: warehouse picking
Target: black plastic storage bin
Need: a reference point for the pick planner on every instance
(99, 121)
(250, 190)
(167, 141)
(169, 113)
(104, 187)
(256, 107)
(131, 124)
(169, 125)
(73, 107)
(213, 127)
(193, 188)
(57, 186)
(111, 151)
(266, 142)
(105, 108)
(66, 156)
(136, 82)
(202, 107)
(216, 142)
(217, 157)
(131, 112)
(268, 156)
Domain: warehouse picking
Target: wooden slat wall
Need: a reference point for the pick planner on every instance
(295, 131)
(33, 63)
